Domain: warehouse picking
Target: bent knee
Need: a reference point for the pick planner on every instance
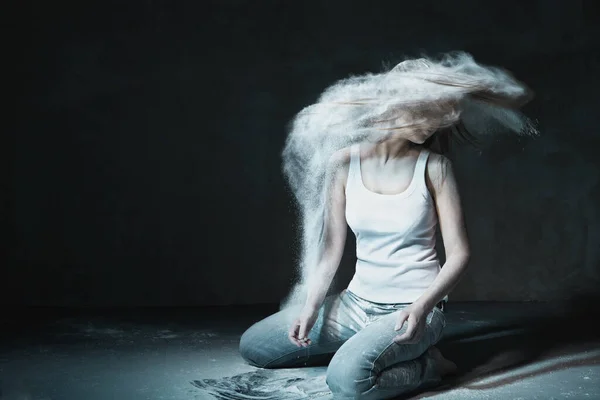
(260, 348)
(249, 348)
(349, 379)
(266, 344)
(357, 378)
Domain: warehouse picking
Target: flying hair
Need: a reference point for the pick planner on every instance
(485, 101)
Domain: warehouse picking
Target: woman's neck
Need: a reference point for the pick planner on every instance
(393, 148)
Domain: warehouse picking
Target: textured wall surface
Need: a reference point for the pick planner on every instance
(147, 168)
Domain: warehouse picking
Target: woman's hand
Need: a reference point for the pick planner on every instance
(415, 317)
(298, 333)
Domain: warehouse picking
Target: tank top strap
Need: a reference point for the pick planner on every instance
(353, 168)
(354, 153)
(354, 160)
(421, 166)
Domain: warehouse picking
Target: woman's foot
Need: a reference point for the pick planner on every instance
(443, 365)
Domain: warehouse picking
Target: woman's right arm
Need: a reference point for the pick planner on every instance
(334, 234)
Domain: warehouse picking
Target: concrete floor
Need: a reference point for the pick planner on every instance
(504, 351)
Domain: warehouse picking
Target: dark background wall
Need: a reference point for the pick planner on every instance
(147, 168)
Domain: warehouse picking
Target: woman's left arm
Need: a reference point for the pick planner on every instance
(444, 190)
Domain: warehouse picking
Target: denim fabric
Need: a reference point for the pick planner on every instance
(356, 336)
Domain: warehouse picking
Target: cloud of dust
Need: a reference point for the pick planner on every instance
(487, 97)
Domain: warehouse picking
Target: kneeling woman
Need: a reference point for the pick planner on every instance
(392, 192)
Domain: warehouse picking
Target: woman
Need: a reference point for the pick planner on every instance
(387, 184)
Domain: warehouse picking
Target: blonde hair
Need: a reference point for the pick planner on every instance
(453, 92)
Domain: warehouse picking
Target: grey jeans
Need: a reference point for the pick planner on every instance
(366, 363)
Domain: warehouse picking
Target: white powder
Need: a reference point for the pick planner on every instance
(346, 113)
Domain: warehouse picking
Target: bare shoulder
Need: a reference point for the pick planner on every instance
(439, 168)
(438, 163)
(340, 158)
(339, 165)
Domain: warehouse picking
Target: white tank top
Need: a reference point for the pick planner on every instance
(395, 237)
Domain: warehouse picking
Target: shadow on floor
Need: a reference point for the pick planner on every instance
(485, 340)
(550, 337)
